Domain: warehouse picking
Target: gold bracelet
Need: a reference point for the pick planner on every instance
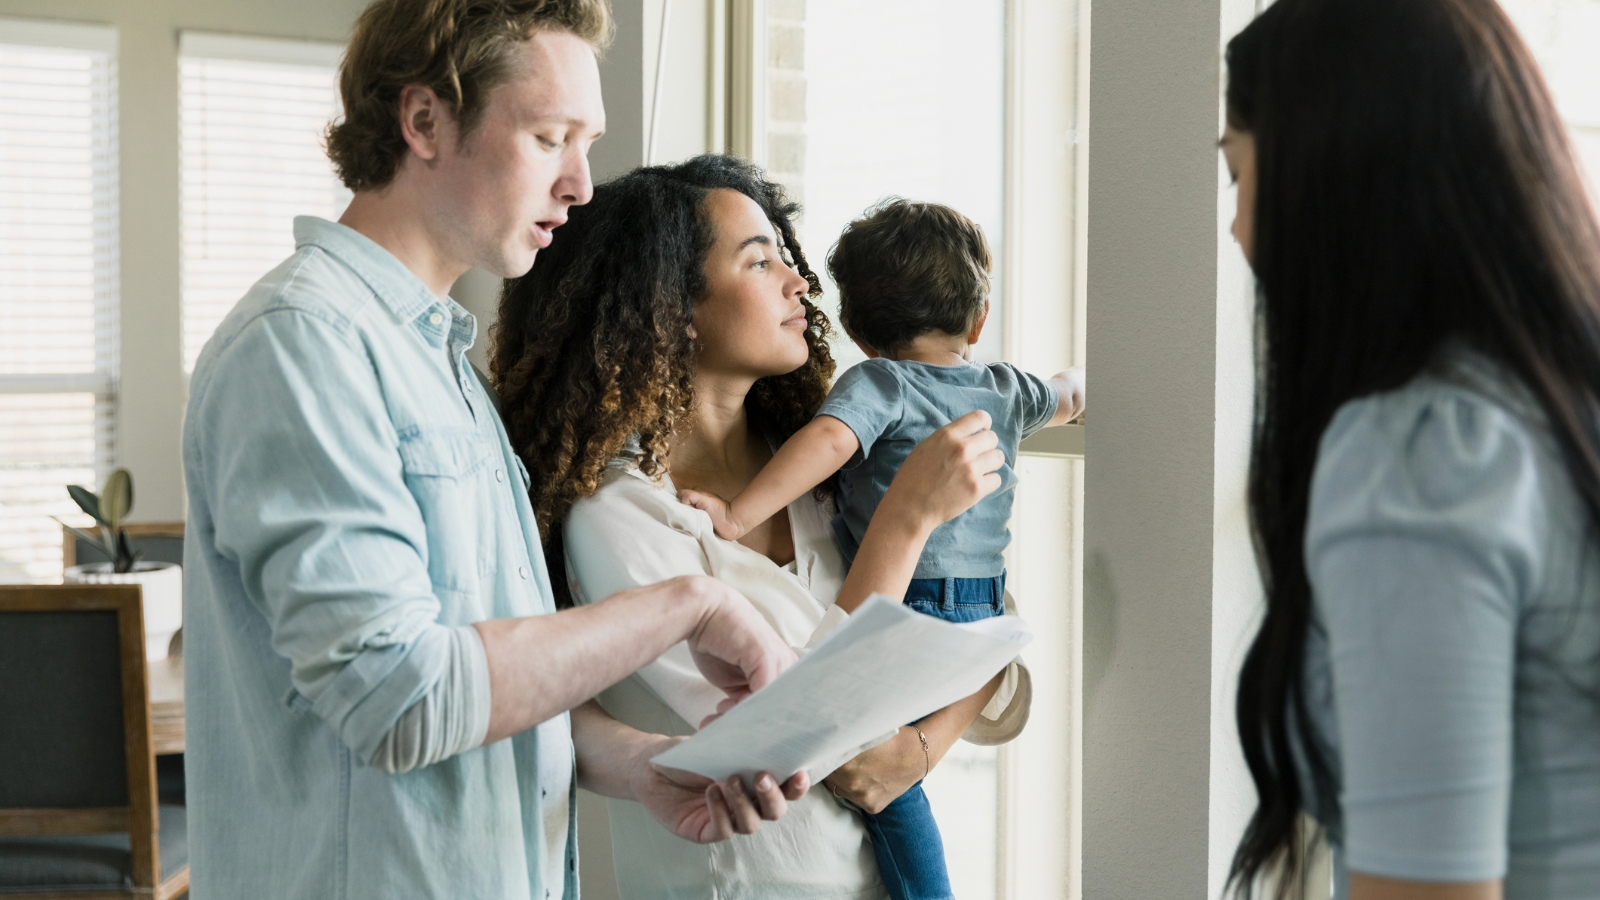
(926, 755)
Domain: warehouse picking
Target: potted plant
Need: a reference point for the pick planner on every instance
(162, 582)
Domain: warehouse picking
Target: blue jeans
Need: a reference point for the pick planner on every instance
(905, 838)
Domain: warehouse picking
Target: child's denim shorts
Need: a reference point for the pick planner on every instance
(958, 599)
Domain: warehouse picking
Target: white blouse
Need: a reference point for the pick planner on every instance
(634, 532)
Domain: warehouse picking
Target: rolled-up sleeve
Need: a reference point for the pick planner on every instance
(302, 473)
(1422, 544)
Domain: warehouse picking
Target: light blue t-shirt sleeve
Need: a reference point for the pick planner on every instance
(1036, 400)
(1422, 545)
(868, 398)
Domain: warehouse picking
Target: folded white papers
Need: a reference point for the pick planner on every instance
(884, 667)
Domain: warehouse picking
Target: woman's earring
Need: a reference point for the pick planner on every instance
(693, 335)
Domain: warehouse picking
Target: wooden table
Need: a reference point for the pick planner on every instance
(166, 704)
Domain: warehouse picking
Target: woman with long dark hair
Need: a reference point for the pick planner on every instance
(668, 339)
(1425, 477)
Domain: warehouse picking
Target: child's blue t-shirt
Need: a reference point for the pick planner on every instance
(892, 406)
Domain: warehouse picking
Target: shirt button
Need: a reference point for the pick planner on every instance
(499, 475)
(436, 319)
(522, 572)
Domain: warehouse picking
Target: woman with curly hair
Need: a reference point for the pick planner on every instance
(668, 340)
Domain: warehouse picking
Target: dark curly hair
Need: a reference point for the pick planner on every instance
(592, 347)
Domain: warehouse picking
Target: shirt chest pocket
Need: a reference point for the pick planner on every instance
(445, 471)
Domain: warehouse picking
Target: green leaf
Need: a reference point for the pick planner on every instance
(86, 501)
(116, 499)
(90, 539)
(125, 557)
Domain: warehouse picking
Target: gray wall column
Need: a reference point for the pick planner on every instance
(1166, 588)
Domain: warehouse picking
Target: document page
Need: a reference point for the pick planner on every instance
(884, 667)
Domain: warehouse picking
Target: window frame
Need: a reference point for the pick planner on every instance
(1022, 824)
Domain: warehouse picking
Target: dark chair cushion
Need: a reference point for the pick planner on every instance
(87, 862)
(170, 780)
(62, 743)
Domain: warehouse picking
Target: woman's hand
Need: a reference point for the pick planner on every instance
(947, 473)
(705, 811)
(956, 466)
(874, 779)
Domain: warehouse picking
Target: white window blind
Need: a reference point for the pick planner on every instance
(253, 115)
(58, 281)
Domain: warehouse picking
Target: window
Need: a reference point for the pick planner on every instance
(892, 117)
(877, 122)
(58, 281)
(1562, 36)
(252, 116)
(980, 105)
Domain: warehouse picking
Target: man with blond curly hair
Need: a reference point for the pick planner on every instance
(383, 701)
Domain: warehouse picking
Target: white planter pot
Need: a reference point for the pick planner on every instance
(163, 597)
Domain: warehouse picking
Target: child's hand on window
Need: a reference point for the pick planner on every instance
(1071, 385)
(718, 509)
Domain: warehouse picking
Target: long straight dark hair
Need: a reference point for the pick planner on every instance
(1414, 185)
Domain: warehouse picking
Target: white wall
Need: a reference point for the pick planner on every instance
(1168, 583)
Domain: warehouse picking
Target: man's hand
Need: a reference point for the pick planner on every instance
(733, 646)
(705, 811)
(720, 511)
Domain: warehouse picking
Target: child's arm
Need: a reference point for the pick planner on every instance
(816, 451)
(1070, 388)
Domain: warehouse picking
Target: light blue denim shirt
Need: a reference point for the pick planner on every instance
(352, 498)
(1453, 667)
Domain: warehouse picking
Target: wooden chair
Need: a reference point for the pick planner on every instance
(160, 541)
(79, 817)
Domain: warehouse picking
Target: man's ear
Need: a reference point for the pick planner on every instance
(977, 327)
(425, 121)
